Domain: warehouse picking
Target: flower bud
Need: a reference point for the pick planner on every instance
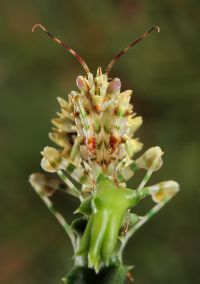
(42, 184)
(82, 84)
(114, 86)
(61, 139)
(133, 146)
(134, 124)
(52, 159)
(63, 103)
(63, 123)
(163, 190)
(123, 103)
(151, 159)
(99, 71)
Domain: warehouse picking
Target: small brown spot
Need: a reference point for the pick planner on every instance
(84, 140)
(128, 112)
(48, 191)
(76, 113)
(87, 111)
(71, 137)
(123, 140)
(124, 229)
(116, 110)
(114, 142)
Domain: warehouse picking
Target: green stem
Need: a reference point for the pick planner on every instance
(110, 275)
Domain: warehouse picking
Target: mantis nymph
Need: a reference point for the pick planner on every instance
(95, 132)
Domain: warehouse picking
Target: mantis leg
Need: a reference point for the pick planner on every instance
(161, 193)
(40, 191)
(53, 161)
(148, 174)
(49, 185)
(127, 172)
(77, 174)
(71, 188)
(150, 161)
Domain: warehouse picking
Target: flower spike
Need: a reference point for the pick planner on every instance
(95, 134)
(66, 46)
(122, 52)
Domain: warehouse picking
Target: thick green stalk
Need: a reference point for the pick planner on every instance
(110, 275)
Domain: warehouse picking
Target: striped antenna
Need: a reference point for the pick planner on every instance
(122, 52)
(66, 46)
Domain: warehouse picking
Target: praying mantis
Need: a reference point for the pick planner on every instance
(95, 131)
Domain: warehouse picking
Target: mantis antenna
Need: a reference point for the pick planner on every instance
(122, 52)
(66, 46)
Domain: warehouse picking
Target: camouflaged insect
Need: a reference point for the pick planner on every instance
(95, 135)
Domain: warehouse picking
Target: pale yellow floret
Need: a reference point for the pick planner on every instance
(165, 189)
(152, 158)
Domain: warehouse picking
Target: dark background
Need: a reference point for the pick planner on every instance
(162, 71)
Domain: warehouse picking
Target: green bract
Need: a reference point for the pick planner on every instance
(109, 206)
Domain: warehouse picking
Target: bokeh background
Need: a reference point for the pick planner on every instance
(162, 71)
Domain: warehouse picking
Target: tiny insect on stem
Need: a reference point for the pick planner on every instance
(66, 46)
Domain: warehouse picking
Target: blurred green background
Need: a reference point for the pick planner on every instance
(162, 71)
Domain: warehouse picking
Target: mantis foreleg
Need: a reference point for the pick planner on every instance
(44, 196)
(150, 161)
(161, 194)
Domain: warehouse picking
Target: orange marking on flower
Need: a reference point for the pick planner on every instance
(114, 142)
(91, 143)
(98, 108)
